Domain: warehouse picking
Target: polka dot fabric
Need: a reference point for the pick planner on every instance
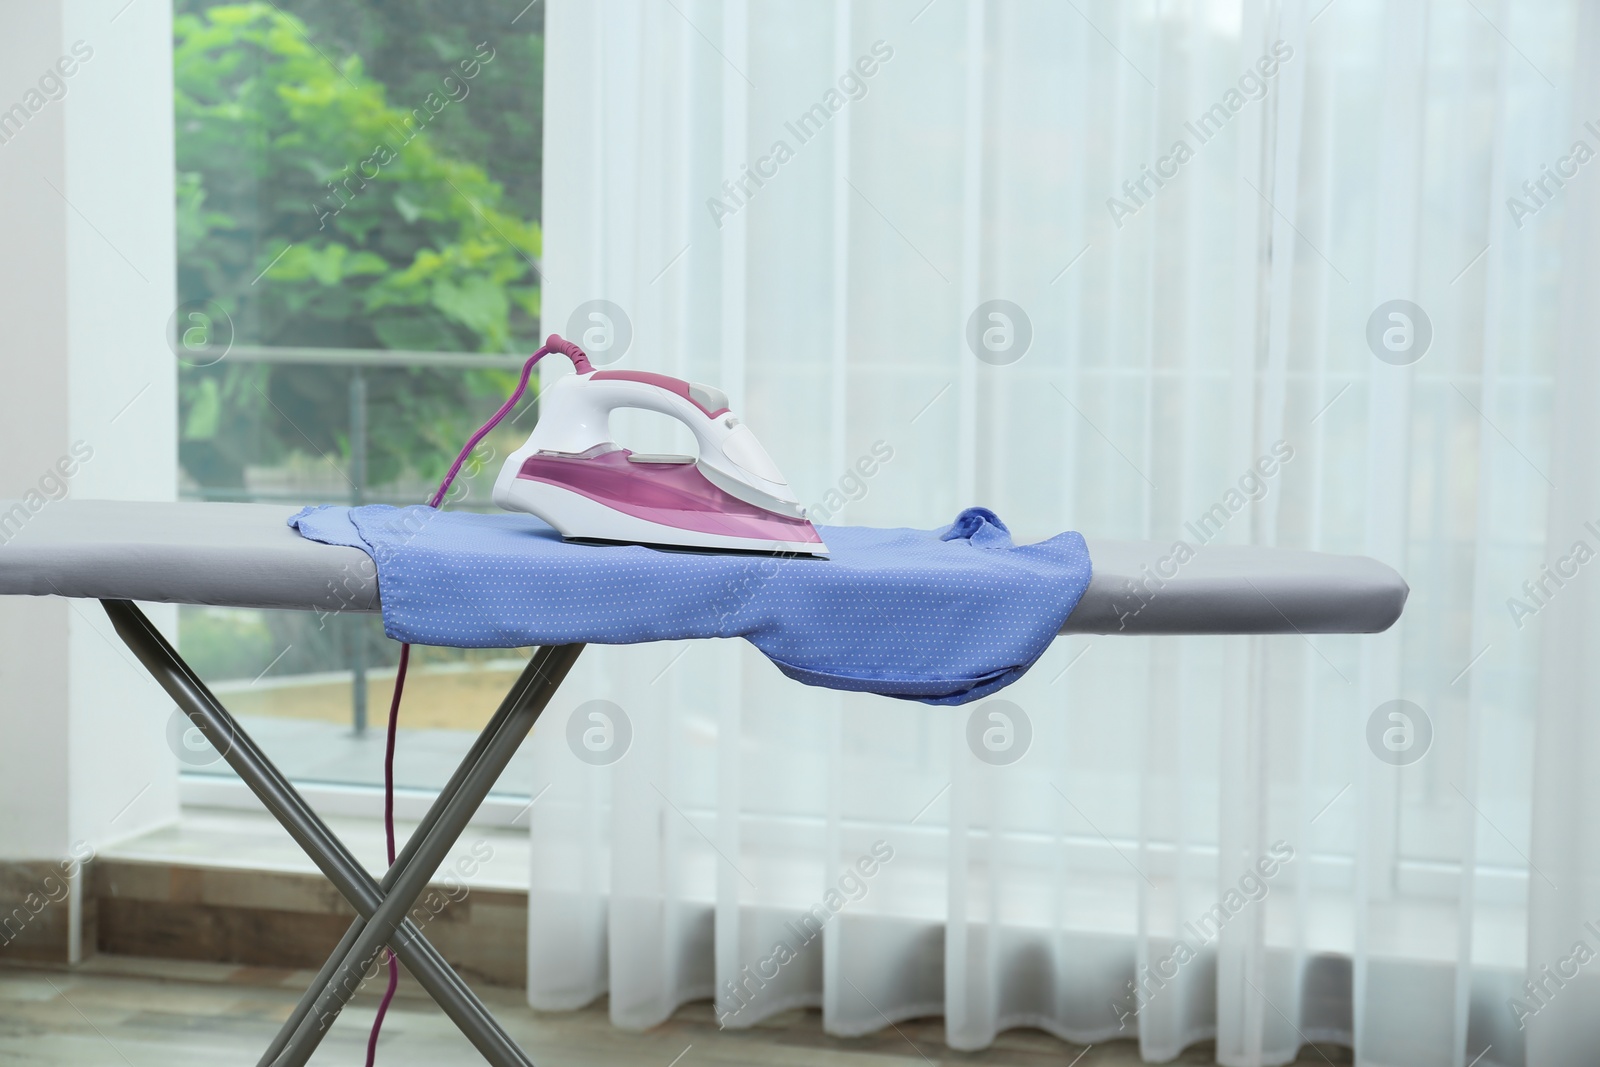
(943, 616)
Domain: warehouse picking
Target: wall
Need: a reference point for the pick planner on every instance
(86, 290)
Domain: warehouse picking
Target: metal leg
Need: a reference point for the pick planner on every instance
(330, 855)
(386, 925)
(309, 999)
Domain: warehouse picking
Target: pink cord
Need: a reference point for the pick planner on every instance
(580, 363)
(553, 343)
(388, 828)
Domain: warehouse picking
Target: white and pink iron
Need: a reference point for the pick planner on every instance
(571, 474)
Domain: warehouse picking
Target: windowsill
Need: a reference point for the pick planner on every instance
(498, 857)
(237, 839)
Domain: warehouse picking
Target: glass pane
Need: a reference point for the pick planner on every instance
(358, 193)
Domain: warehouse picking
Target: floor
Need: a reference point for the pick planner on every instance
(126, 1012)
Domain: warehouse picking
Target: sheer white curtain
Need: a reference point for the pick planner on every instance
(805, 204)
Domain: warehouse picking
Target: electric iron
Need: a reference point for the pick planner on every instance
(571, 474)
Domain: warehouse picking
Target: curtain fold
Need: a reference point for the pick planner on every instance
(1268, 272)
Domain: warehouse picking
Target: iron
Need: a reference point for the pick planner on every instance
(571, 474)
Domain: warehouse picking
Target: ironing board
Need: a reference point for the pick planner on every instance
(244, 555)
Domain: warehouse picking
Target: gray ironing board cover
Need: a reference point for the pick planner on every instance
(245, 555)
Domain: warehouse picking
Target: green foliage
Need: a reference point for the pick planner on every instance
(317, 212)
(406, 43)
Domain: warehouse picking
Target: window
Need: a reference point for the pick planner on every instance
(358, 233)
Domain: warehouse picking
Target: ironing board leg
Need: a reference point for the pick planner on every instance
(407, 853)
(308, 999)
(330, 855)
(527, 699)
(424, 852)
